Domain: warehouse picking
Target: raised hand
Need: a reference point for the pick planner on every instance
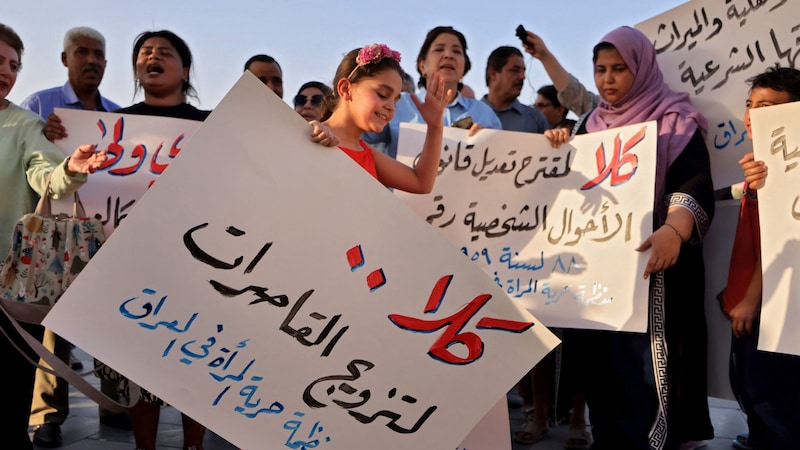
(436, 99)
(534, 45)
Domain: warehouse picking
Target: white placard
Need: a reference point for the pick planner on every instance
(557, 230)
(709, 48)
(139, 150)
(776, 141)
(275, 292)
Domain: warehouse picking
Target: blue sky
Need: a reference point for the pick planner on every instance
(308, 37)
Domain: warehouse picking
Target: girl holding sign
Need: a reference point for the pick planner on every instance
(634, 378)
(367, 87)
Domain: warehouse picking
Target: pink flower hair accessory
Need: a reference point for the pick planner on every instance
(376, 52)
(373, 53)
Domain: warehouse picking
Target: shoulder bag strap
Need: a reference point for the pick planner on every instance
(59, 368)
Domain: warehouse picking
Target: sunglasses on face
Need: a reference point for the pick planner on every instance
(301, 100)
(541, 105)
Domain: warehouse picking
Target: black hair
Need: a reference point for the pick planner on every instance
(499, 57)
(261, 58)
(777, 78)
(550, 93)
(326, 90)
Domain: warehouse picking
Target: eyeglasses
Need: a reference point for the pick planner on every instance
(301, 100)
(541, 105)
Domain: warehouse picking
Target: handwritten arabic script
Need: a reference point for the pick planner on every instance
(543, 223)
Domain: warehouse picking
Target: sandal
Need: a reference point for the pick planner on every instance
(578, 439)
(531, 433)
(528, 414)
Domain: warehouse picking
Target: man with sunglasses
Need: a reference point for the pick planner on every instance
(505, 76)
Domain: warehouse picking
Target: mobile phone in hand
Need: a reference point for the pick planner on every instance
(522, 34)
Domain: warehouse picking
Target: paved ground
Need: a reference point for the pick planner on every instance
(83, 431)
(726, 417)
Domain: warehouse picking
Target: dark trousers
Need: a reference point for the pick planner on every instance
(620, 386)
(767, 386)
(16, 380)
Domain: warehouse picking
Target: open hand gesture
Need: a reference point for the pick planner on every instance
(436, 99)
(86, 160)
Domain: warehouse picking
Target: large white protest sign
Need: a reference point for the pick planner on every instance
(139, 150)
(272, 290)
(776, 141)
(557, 230)
(709, 48)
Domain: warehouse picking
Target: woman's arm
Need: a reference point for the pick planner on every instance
(665, 242)
(689, 193)
(571, 93)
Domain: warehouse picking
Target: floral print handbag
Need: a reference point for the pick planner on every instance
(47, 253)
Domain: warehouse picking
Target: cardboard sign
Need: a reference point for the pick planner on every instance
(274, 291)
(557, 230)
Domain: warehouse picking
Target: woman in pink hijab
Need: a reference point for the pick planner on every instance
(648, 391)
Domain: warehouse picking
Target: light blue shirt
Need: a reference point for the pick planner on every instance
(519, 117)
(406, 111)
(44, 102)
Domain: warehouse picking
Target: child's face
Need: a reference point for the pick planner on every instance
(760, 97)
(374, 99)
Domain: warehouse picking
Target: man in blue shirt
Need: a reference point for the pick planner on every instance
(505, 76)
(84, 56)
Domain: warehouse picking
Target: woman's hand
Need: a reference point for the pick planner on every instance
(53, 129)
(755, 172)
(665, 246)
(322, 134)
(557, 136)
(436, 100)
(535, 46)
(85, 160)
